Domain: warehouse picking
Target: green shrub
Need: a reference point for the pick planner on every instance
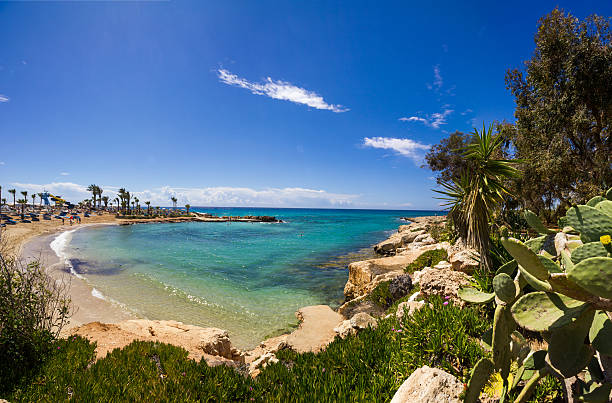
(381, 295)
(429, 258)
(33, 310)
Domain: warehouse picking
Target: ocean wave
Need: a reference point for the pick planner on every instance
(59, 246)
(97, 294)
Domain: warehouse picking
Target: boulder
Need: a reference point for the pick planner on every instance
(443, 265)
(407, 308)
(400, 286)
(464, 260)
(366, 274)
(429, 385)
(421, 237)
(444, 283)
(362, 321)
(360, 304)
(345, 329)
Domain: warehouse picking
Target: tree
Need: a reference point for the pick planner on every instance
(33, 198)
(13, 191)
(40, 199)
(99, 191)
(174, 200)
(187, 206)
(447, 157)
(25, 195)
(94, 192)
(148, 203)
(480, 191)
(105, 201)
(564, 113)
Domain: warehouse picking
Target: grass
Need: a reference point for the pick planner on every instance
(381, 296)
(429, 258)
(363, 368)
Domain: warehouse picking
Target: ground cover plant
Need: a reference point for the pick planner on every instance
(429, 258)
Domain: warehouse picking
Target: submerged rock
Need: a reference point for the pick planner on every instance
(429, 385)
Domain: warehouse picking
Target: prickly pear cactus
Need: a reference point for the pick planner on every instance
(565, 292)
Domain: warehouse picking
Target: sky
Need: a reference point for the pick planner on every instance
(252, 103)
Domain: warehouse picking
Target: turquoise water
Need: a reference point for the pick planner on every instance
(248, 278)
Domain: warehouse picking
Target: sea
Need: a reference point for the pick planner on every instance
(246, 278)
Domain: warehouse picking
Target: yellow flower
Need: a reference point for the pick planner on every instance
(605, 239)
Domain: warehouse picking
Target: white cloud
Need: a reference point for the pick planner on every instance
(437, 77)
(4, 98)
(2, 163)
(278, 89)
(406, 147)
(64, 173)
(434, 120)
(212, 196)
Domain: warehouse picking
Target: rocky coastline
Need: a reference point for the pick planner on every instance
(198, 217)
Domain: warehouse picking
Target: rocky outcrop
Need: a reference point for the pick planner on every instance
(462, 258)
(212, 344)
(407, 308)
(400, 286)
(358, 322)
(444, 283)
(429, 385)
(360, 304)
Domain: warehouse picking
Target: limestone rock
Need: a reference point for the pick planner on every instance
(464, 260)
(443, 265)
(362, 274)
(443, 283)
(362, 321)
(260, 363)
(400, 286)
(345, 329)
(360, 304)
(429, 385)
(407, 308)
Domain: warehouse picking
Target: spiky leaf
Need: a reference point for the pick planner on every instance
(472, 295)
(567, 353)
(480, 375)
(591, 249)
(591, 222)
(600, 333)
(504, 287)
(594, 275)
(545, 311)
(526, 258)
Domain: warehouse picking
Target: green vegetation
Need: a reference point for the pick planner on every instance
(381, 295)
(565, 296)
(429, 258)
(367, 367)
(33, 310)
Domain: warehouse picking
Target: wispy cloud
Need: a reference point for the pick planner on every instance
(278, 89)
(406, 147)
(434, 120)
(1, 162)
(64, 173)
(4, 98)
(437, 81)
(211, 196)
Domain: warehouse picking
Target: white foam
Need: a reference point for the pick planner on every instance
(59, 245)
(97, 294)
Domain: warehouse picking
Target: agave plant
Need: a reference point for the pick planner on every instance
(569, 301)
(480, 191)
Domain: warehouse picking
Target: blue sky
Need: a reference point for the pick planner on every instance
(268, 103)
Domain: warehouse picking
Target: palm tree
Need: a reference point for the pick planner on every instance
(480, 191)
(25, 195)
(105, 200)
(22, 202)
(137, 205)
(94, 189)
(33, 198)
(174, 200)
(40, 199)
(187, 206)
(13, 191)
(148, 203)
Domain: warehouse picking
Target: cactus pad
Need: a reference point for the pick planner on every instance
(526, 258)
(551, 266)
(534, 222)
(544, 242)
(600, 333)
(593, 274)
(591, 222)
(503, 326)
(544, 311)
(472, 295)
(534, 282)
(566, 260)
(593, 201)
(480, 375)
(504, 287)
(567, 353)
(507, 268)
(605, 206)
(609, 194)
(591, 249)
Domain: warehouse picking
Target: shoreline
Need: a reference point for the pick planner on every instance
(93, 315)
